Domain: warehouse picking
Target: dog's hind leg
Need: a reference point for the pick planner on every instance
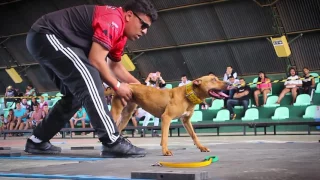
(126, 115)
(188, 126)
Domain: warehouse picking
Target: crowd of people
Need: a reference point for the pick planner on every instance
(27, 113)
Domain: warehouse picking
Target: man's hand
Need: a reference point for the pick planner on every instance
(124, 92)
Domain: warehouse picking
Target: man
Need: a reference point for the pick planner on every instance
(77, 47)
(10, 92)
(184, 80)
(155, 80)
(240, 97)
(229, 72)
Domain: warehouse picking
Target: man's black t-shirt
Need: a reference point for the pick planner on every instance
(242, 89)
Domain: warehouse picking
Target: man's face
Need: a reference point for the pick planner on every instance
(242, 82)
(35, 107)
(1, 118)
(231, 80)
(305, 71)
(137, 25)
(229, 69)
(24, 101)
(184, 79)
(46, 108)
(18, 105)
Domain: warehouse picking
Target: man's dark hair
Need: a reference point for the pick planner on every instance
(242, 79)
(183, 75)
(231, 77)
(210, 73)
(1, 114)
(142, 6)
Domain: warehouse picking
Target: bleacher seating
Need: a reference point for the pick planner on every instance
(302, 100)
(251, 114)
(223, 115)
(281, 113)
(310, 112)
(216, 104)
(271, 101)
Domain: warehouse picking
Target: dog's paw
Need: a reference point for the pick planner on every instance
(167, 153)
(204, 149)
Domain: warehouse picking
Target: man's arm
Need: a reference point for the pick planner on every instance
(239, 95)
(121, 73)
(97, 58)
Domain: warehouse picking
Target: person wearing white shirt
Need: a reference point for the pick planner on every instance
(184, 80)
(229, 72)
(147, 116)
(291, 85)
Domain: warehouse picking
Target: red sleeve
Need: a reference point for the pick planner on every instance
(106, 30)
(117, 51)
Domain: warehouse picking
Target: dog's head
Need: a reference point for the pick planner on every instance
(209, 86)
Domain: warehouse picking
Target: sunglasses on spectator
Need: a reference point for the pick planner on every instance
(144, 25)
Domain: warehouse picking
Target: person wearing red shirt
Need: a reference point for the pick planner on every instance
(80, 48)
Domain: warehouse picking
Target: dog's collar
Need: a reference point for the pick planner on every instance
(191, 95)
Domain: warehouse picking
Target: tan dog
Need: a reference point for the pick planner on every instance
(168, 104)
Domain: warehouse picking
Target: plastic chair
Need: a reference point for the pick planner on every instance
(223, 115)
(315, 75)
(281, 113)
(310, 112)
(169, 86)
(196, 116)
(251, 114)
(197, 107)
(317, 88)
(254, 81)
(302, 100)
(271, 102)
(217, 104)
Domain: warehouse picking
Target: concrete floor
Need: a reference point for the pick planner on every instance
(240, 157)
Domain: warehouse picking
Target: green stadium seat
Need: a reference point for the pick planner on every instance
(217, 104)
(45, 95)
(271, 102)
(251, 114)
(196, 116)
(302, 100)
(281, 113)
(254, 81)
(197, 107)
(222, 115)
(310, 112)
(109, 107)
(169, 86)
(6, 112)
(316, 75)
(317, 88)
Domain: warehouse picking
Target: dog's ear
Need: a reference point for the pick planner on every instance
(197, 82)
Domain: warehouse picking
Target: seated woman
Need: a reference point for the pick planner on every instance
(263, 87)
(291, 85)
(308, 83)
(80, 115)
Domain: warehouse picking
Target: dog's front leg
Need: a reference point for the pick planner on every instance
(188, 126)
(165, 124)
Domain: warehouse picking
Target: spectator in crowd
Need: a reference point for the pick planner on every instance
(241, 97)
(229, 72)
(36, 117)
(45, 110)
(231, 89)
(11, 120)
(184, 80)
(33, 103)
(80, 115)
(20, 116)
(139, 114)
(3, 123)
(30, 91)
(155, 80)
(42, 102)
(263, 87)
(291, 85)
(24, 104)
(308, 83)
(10, 92)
